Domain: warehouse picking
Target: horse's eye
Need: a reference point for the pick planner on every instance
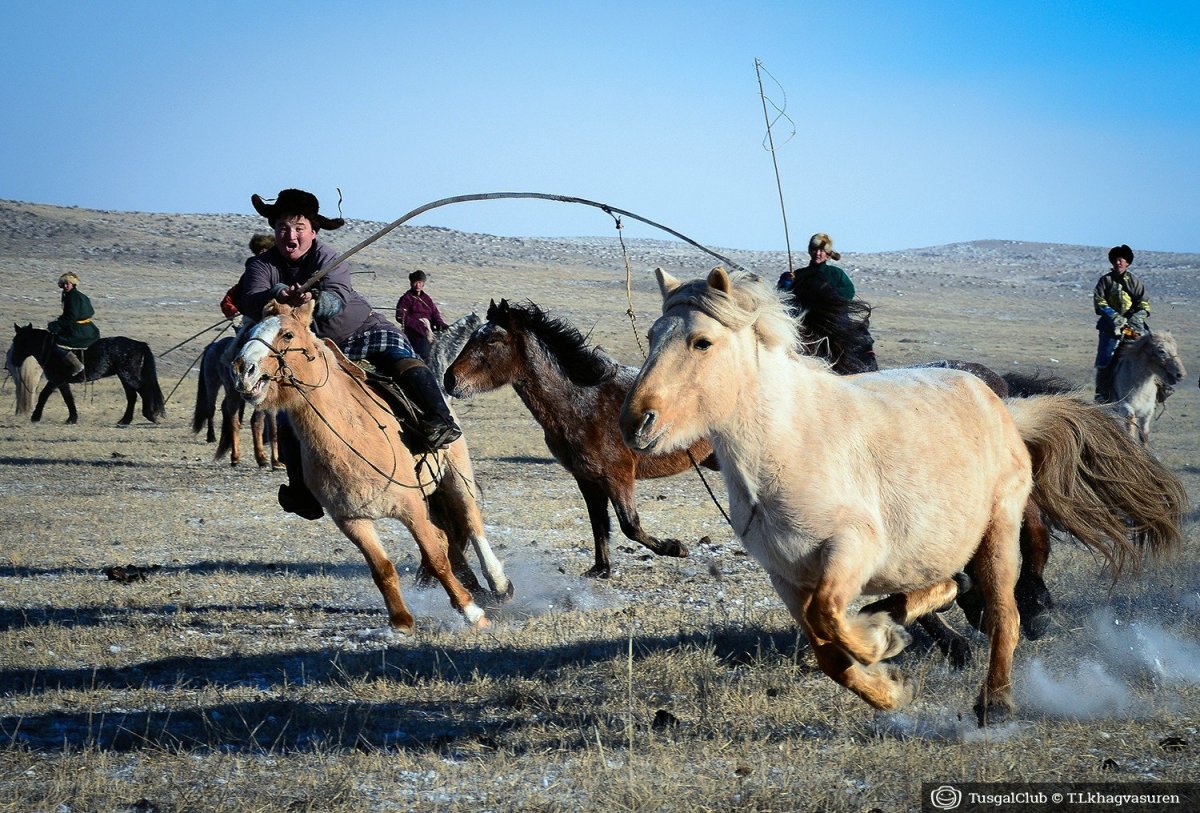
(701, 344)
(288, 335)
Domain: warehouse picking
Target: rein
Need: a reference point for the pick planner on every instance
(287, 376)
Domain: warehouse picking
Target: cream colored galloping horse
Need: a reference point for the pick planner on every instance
(883, 483)
(356, 465)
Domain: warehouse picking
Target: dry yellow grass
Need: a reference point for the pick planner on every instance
(248, 671)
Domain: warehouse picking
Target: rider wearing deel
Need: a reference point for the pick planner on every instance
(74, 329)
(1120, 301)
(343, 315)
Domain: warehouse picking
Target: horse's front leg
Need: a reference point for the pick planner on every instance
(69, 400)
(881, 685)
(258, 428)
(43, 396)
(596, 501)
(925, 607)
(621, 493)
(130, 404)
(362, 533)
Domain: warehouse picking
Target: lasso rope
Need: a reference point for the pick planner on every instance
(317, 277)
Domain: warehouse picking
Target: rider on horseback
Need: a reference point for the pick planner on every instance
(1120, 301)
(343, 315)
(73, 330)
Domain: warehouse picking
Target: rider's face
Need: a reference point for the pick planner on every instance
(1120, 265)
(294, 236)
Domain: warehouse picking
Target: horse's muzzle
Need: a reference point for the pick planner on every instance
(641, 433)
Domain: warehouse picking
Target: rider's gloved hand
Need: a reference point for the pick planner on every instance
(1138, 322)
(1119, 322)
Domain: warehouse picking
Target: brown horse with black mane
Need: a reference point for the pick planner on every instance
(575, 392)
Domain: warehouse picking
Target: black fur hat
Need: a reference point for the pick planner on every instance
(1120, 251)
(295, 202)
(417, 275)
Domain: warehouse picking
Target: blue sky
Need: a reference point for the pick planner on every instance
(917, 123)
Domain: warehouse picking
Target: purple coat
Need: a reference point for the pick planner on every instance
(266, 271)
(411, 308)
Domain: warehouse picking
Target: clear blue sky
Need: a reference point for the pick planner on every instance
(917, 123)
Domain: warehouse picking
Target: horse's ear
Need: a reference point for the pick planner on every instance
(492, 311)
(718, 279)
(305, 312)
(666, 282)
(272, 308)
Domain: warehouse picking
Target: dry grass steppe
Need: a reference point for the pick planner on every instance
(248, 671)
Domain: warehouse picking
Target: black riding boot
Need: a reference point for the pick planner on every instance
(1104, 384)
(294, 496)
(436, 426)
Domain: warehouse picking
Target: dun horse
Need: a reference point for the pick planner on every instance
(131, 361)
(357, 466)
(574, 392)
(836, 496)
(216, 376)
(1143, 369)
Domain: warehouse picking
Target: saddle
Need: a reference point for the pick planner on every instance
(407, 413)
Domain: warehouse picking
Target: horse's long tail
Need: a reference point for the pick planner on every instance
(206, 398)
(154, 406)
(1092, 480)
(27, 379)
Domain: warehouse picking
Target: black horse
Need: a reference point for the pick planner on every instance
(833, 327)
(128, 359)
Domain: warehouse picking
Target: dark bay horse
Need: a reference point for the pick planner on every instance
(130, 360)
(574, 391)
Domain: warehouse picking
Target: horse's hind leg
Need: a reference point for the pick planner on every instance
(457, 500)
(1033, 597)
(924, 607)
(362, 533)
(69, 400)
(881, 685)
(433, 545)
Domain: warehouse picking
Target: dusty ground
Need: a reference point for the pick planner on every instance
(248, 670)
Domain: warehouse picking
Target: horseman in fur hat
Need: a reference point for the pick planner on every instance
(1120, 302)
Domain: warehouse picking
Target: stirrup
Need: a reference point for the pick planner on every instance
(440, 434)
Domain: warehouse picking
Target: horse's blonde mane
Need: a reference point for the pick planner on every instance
(751, 302)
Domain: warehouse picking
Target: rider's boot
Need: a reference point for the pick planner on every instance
(294, 496)
(67, 364)
(1104, 384)
(435, 425)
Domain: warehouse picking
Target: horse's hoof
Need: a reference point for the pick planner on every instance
(597, 572)
(958, 653)
(1035, 626)
(483, 623)
(507, 595)
(993, 713)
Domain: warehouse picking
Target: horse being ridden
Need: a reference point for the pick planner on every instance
(833, 327)
(574, 392)
(130, 360)
(1145, 371)
(216, 375)
(357, 466)
(835, 497)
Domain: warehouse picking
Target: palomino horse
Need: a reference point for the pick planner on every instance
(356, 464)
(1144, 368)
(884, 483)
(27, 379)
(130, 360)
(574, 391)
(216, 376)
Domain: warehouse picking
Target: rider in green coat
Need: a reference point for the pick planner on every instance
(74, 329)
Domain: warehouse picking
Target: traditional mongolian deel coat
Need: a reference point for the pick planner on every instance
(411, 308)
(833, 276)
(74, 328)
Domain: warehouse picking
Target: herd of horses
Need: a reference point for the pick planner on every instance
(927, 485)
